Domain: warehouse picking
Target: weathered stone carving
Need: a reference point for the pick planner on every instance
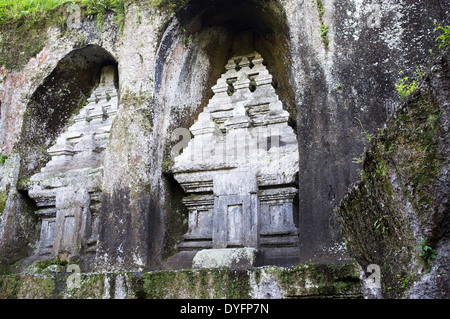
(68, 188)
(240, 169)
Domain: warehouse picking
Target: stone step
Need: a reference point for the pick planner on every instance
(311, 280)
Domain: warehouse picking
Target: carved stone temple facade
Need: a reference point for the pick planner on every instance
(239, 173)
(67, 190)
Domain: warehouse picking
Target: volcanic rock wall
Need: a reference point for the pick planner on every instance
(334, 65)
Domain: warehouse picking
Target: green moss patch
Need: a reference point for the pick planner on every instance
(230, 284)
(26, 287)
(323, 26)
(303, 281)
(314, 280)
(24, 24)
(3, 199)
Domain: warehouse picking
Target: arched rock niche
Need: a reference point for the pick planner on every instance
(56, 100)
(192, 54)
(65, 133)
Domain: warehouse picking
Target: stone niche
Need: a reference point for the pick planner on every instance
(67, 190)
(239, 173)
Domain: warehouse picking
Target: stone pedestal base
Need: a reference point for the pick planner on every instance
(228, 258)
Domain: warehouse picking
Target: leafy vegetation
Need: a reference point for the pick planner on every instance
(323, 26)
(15, 10)
(35, 10)
(444, 37)
(3, 158)
(427, 252)
(23, 24)
(102, 7)
(405, 87)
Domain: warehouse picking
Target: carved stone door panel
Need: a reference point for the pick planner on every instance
(235, 210)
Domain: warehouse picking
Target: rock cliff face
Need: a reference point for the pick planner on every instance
(397, 216)
(110, 174)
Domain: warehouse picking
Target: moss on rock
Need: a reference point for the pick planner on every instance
(400, 197)
(3, 198)
(230, 284)
(303, 281)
